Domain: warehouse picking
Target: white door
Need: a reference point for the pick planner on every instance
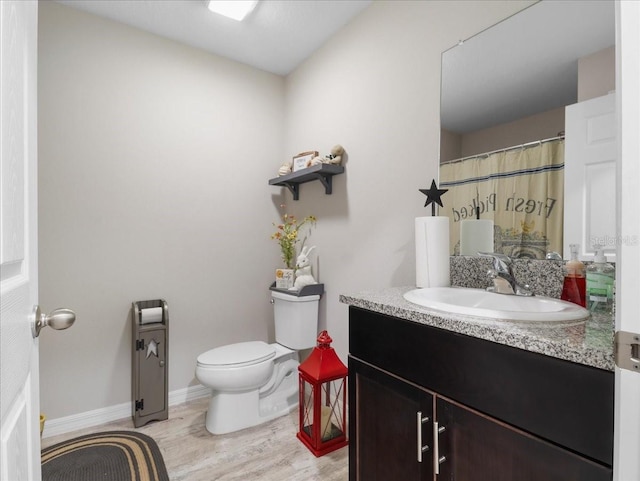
(591, 150)
(20, 438)
(626, 461)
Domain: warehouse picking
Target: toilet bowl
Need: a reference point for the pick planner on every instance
(253, 382)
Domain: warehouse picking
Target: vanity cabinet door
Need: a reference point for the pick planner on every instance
(479, 448)
(388, 420)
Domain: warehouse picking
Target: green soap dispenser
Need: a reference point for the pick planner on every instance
(601, 277)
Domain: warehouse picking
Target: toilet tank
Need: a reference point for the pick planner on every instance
(296, 319)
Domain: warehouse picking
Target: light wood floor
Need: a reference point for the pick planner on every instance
(269, 452)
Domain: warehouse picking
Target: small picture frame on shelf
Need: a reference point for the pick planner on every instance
(303, 160)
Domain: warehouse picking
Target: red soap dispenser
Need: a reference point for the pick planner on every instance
(574, 288)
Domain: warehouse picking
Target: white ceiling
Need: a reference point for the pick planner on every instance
(276, 37)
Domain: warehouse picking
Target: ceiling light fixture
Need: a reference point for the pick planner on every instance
(235, 9)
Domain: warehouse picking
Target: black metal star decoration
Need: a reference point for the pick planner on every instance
(433, 196)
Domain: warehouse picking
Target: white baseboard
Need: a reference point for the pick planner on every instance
(54, 427)
(181, 396)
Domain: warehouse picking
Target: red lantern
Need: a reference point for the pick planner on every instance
(323, 399)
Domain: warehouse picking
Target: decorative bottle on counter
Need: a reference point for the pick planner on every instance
(600, 284)
(575, 283)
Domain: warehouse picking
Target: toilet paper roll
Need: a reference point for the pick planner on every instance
(151, 315)
(432, 251)
(476, 235)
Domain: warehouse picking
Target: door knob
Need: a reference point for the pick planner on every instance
(58, 319)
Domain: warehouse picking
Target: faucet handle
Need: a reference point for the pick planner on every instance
(504, 282)
(501, 262)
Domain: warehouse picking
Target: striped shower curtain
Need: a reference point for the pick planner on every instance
(521, 190)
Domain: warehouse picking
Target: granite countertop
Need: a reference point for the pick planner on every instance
(589, 343)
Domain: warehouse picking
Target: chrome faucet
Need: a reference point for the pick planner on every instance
(502, 272)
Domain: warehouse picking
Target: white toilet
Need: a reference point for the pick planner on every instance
(254, 382)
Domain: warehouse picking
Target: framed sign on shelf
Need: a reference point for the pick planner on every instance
(303, 160)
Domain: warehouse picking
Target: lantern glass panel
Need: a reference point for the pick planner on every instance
(307, 407)
(332, 409)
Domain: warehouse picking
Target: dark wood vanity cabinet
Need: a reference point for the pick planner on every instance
(502, 414)
(392, 419)
(480, 448)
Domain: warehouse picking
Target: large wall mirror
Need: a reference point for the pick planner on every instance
(505, 93)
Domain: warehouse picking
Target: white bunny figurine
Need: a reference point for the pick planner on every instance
(303, 270)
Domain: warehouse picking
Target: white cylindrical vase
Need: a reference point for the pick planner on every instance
(476, 235)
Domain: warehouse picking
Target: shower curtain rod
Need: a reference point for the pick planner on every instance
(515, 147)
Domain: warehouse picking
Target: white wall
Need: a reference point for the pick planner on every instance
(597, 74)
(154, 161)
(375, 89)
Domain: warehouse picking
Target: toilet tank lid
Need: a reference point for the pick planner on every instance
(241, 353)
(294, 298)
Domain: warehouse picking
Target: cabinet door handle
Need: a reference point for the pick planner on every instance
(437, 459)
(420, 421)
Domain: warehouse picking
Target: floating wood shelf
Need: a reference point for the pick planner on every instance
(322, 172)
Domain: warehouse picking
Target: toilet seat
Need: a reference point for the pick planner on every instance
(237, 355)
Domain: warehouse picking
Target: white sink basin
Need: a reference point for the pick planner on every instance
(480, 303)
